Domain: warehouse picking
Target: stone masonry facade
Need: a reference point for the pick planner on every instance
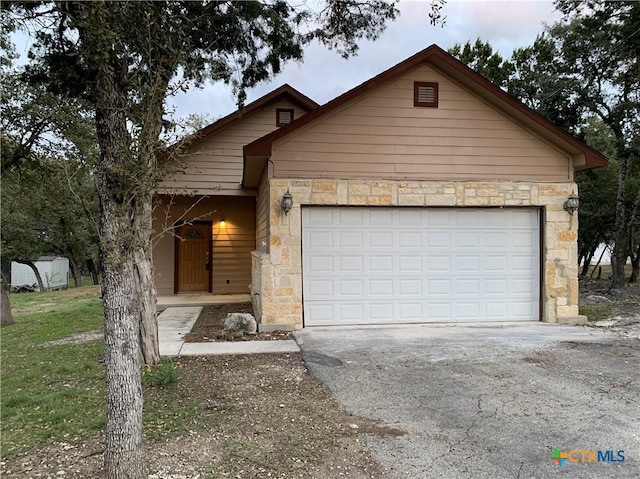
(277, 275)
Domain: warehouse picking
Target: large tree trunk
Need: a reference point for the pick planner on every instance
(619, 256)
(635, 266)
(93, 271)
(124, 452)
(76, 273)
(121, 289)
(6, 317)
(35, 272)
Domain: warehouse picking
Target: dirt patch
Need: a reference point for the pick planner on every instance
(208, 327)
(616, 311)
(75, 339)
(250, 417)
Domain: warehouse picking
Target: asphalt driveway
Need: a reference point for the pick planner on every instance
(488, 401)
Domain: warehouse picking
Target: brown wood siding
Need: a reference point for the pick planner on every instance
(214, 165)
(382, 135)
(262, 213)
(232, 245)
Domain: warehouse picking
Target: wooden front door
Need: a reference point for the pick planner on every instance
(193, 258)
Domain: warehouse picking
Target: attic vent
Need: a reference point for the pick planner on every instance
(425, 94)
(284, 116)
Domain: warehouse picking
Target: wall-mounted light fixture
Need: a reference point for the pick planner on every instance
(222, 224)
(572, 203)
(287, 202)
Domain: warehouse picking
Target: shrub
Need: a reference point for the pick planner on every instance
(163, 374)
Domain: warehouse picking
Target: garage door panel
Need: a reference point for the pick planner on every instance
(439, 311)
(380, 312)
(439, 239)
(438, 263)
(380, 216)
(320, 263)
(322, 239)
(352, 216)
(468, 310)
(350, 239)
(391, 265)
(350, 264)
(468, 286)
(381, 263)
(408, 263)
(380, 239)
(381, 287)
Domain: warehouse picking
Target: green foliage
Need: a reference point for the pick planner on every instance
(163, 374)
(481, 57)
(48, 207)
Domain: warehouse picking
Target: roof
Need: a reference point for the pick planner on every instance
(585, 157)
(285, 91)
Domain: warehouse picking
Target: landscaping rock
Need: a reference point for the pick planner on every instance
(240, 323)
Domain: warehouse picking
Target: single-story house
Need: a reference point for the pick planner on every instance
(425, 194)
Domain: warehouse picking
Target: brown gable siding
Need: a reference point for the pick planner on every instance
(214, 164)
(581, 156)
(381, 134)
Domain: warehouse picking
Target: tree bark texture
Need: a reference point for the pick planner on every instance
(76, 273)
(93, 271)
(6, 316)
(619, 256)
(120, 233)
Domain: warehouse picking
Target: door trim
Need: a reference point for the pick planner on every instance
(176, 253)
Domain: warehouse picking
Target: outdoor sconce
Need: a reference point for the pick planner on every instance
(287, 202)
(572, 203)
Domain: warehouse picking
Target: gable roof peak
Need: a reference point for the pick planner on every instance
(463, 74)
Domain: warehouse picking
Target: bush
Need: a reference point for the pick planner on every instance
(163, 374)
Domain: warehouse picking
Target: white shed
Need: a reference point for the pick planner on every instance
(54, 271)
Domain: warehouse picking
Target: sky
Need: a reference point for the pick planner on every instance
(323, 74)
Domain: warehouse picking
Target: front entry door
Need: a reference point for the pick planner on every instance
(193, 258)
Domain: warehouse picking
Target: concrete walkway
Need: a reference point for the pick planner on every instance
(175, 323)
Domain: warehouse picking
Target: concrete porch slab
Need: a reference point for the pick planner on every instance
(180, 300)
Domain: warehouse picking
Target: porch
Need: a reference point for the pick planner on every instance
(185, 300)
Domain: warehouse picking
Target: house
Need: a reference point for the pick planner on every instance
(425, 194)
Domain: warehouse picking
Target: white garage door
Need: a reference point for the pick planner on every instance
(414, 265)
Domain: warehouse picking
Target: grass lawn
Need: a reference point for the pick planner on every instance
(54, 393)
(225, 416)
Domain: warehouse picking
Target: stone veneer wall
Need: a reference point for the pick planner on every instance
(278, 275)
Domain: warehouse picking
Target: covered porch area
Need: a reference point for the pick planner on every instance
(186, 300)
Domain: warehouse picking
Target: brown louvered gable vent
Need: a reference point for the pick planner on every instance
(425, 94)
(284, 116)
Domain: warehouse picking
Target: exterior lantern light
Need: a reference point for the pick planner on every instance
(572, 203)
(287, 202)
